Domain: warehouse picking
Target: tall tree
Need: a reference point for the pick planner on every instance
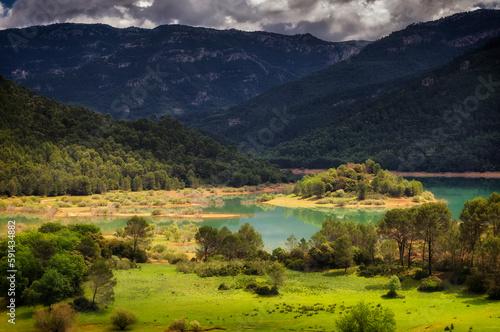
(102, 283)
(395, 225)
(207, 239)
(251, 239)
(494, 213)
(474, 217)
(137, 229)
(342, 252)
(434, 220)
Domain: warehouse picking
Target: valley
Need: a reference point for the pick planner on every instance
(162, 170)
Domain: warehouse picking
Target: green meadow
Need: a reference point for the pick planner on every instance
(158, 294)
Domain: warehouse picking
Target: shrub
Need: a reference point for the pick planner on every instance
(122, 318)
(431, 284)
(59, 318)
(156, 212)
(196, 326)
(179, 324)
(371, 271)
(339, 193)
(159, 248)
(266, 197)
(186, 267)
(82, 304)
(420, 274)
(494, 292)
(179, 257)
(477, 283)
(263, 290)
(362, 318)
(223, 286)
(393, 286)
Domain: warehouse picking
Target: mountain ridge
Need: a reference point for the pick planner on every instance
(324, 95)
(171, 69)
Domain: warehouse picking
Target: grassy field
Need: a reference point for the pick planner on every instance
(159, 294)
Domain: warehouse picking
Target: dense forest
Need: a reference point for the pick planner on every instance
(445, 120)
(47, 148)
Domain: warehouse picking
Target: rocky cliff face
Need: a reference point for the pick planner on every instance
(168, 70)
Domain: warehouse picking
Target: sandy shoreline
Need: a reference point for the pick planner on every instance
(200, 216)
(297, 202)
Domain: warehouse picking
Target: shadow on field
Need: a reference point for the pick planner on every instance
(334, 274)
(474, 299)
(25, 315)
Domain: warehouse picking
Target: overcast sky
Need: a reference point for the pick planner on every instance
(333, 20)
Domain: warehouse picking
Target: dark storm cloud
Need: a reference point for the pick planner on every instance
(326, 19)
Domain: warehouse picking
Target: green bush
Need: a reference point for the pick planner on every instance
(431, 284)
(223, 286)
(251, 286)
(420, 274)
(266, 197)
(122, 318)
(156, 212)
(82, 304)
(196, 326)
(264, 290)
(371, 271)
(393, 286)
(180, 325)
(477, 283)
(186, 267)
(60, 317)
(494, 292)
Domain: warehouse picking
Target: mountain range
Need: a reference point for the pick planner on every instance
(408, 101)
(318, 99)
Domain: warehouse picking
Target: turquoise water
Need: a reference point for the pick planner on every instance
(276, 224)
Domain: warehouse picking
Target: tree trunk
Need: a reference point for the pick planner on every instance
(401, 254)
(409, 253)
(423, 251)
(430, 258)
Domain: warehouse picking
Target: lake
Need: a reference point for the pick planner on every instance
(276, 224)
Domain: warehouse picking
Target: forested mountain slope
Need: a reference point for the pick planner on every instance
(448, 119)
(48, 148)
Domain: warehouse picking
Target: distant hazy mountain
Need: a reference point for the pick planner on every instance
(446, 119)
(321, 97)
(172, 69)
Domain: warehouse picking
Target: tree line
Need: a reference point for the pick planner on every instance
(425, 237)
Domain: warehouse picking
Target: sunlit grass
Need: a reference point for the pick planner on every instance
(159, 294)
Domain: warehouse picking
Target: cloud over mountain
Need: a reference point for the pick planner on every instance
(327, 19)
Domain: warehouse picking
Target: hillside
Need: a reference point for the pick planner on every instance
(447, 119)
(48, 148)
(172, 69)
(321, 97)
